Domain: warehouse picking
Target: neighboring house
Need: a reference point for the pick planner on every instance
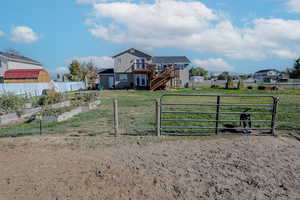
(106, 78)
(17, 68)
(197, 79)
(267, 75)
(136, 69)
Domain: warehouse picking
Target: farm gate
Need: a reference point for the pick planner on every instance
(180, 114)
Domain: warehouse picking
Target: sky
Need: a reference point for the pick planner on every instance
(220, 35)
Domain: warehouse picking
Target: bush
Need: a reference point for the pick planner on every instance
(50, 97)
(250, 87)
(81, 98)
(241, 84)
(261, 87)
(11, 103)
(215, 86)
(229, 83)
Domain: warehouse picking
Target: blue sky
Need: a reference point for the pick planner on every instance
(233, 35)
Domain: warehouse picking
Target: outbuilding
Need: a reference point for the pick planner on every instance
(26, 76)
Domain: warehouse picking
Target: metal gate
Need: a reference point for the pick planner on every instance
(215, 114)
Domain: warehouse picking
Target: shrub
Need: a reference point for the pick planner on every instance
(241, 84)
(50, 97)
(215, 86)
(261, 87)
(81, 98)
(11, 103)
(229, 83)
(250, 87)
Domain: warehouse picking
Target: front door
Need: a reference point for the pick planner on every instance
(110, 82)
(140, 80)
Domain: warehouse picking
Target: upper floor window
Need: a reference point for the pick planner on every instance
(180, 66)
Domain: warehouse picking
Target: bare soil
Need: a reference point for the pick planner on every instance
(61, 168)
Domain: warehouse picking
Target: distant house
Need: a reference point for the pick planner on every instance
(267, 75)
(197, 79)
(16, 68)
(136, 69)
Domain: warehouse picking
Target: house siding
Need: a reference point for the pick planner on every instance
(126, 61)
(184, 76)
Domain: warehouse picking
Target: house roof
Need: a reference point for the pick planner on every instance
(22, 74)
(134, 52)
(267, 70)
(170, 60)
(19, 58)
(105, 71)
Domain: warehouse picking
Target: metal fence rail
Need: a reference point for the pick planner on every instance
(191, 116)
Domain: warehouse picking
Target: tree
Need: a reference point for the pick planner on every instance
(198, 71)
(89, 71)
(223, 76)
(75, 71)
(295, 72)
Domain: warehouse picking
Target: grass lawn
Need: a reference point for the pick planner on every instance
(137, 112)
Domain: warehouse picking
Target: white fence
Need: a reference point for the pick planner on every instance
(36, 89)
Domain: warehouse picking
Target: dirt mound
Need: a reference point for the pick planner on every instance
(240, 168)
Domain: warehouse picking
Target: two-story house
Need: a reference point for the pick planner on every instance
(15, 68)
(136, 69)
(267, 75)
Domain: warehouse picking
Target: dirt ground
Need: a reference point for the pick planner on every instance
(61, 168)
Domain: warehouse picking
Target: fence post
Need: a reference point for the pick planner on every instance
(274, 113)
(116, 118)
(158, 117)
(217, 115)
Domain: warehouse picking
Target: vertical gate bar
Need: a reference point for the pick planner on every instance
(217, 115)
(158, 117)
(274, 113)
(116, 118)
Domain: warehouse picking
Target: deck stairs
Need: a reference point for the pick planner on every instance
(158, 80)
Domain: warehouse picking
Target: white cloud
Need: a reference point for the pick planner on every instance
(23, 34)
(213, 64)
(100, 62)
(285, 54)
(294, 6)
(191, 25)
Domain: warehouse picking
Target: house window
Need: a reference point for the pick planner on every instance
(180, 66)
(123, 77)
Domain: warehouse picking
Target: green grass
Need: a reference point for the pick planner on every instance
(137, 112)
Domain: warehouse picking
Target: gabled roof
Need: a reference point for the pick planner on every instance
(22, 74)
(19, 58)
(134, 52)
(170, 60)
